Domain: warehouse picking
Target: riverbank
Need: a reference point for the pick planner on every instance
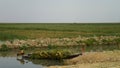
(92, 42)
(106, 59)
(93, 65)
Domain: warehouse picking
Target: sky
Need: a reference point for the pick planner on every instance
(56, 11)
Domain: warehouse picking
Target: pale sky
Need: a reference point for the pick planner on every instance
(41, 11)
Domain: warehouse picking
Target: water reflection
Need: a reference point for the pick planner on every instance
(11, 59)
(43, 62)
(11, 62)
(47, 62)
(22, 61)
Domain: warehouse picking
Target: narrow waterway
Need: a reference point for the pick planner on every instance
(12, 62)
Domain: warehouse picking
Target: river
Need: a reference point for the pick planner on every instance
(12, 62)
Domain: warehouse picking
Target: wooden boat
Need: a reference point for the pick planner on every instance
(73, 56)
(28, 56)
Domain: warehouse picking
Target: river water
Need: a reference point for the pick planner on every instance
(12, 62)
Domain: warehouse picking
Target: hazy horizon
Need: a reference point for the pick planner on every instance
(59, 11)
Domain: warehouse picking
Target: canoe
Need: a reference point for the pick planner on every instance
(73, 56)
(28, 56)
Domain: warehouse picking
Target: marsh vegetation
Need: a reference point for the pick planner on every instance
(59, 30)
(100, 40)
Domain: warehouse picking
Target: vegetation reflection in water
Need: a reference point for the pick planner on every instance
(11, 56)
(43, 62)
(11, 62)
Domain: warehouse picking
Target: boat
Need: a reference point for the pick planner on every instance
(28, 56)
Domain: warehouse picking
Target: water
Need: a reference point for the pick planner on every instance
(12, 62)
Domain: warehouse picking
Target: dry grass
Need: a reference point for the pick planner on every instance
(93, 57)
(93, 65)
(107, 59)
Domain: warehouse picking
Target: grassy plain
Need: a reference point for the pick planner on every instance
(59, 30)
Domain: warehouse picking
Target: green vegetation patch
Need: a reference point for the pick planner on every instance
(51, 54)
(60, 30)
(9, 36)
(4, 48)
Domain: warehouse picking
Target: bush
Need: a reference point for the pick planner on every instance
(51, 54)
(24, 47)
(4, 48)
(52, 46)
(90, 41)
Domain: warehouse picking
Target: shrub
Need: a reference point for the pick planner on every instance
(4, 48)
(51, 54)
(90, 41)
(24, 47)
(52, 46)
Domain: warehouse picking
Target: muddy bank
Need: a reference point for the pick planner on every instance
(107, 59)
(92, 65)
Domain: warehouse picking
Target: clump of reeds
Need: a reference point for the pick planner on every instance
(4, 48)
(51, 54)
(95, 41)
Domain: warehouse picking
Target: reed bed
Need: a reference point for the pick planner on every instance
(94, 42)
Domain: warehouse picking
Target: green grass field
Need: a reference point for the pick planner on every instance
(59, 30)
